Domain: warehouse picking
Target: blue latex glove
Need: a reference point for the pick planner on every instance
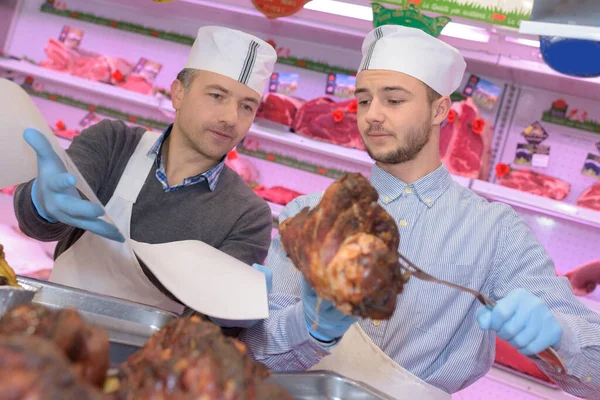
(332, 323)
(524, 321)
(54, 194)
(225, 323)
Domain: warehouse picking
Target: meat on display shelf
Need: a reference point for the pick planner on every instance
(535, 203)
(86, 85)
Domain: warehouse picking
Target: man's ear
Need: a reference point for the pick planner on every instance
(177, 93)
(440, 109)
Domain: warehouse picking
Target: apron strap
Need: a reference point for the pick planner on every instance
(137, 168)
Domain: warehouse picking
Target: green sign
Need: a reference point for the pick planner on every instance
(411, 17)
(499, 12)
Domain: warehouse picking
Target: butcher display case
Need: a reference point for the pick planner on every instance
(519, 132)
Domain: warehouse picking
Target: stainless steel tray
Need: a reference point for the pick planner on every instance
(129, 324)
(325, 385)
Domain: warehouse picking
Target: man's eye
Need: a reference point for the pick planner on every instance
(215, 96)
(248, 108)
(364, 102)
(396, 102)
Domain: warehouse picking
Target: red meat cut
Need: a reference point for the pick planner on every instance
(536, 183)
(590, 198)
(277, 194)
(60, 57)
(329, 121)
(279, 108)
(102, 68)
(584, 279)
(463, 151)
(137, 83)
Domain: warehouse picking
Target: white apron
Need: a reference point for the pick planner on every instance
(103, 266)
(358, 358)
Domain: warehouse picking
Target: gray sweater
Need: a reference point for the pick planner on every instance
(232, 218)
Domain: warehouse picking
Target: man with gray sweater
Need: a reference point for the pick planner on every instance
(158, 188)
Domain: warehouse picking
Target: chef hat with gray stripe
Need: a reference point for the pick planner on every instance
(235, 54)
(414, 53)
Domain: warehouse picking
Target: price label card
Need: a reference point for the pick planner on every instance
(591, 166)
(483, 92)
(71, 37)
(147, 69)
(533, 155)
(284, 83)
(89, 120)
(340, 85)
(535, 133)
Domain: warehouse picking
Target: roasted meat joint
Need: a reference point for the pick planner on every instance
(55, 355)
(347, 249)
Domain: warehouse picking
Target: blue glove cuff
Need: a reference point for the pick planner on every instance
(37, 207)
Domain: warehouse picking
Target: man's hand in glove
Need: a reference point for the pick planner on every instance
(524, 321)
(331, 323)
(55, 197)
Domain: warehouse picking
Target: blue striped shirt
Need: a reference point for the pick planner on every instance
(212, 175)
(455, 235)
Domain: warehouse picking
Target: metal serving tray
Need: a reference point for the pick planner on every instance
(325, 385)
(129, 324)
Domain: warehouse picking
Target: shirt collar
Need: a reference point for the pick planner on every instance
(428, 188)
(212, 175)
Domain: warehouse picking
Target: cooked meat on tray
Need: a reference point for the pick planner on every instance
(33, 368)
(7, 274)
(87, 347)
(347, 249)
(191, 359)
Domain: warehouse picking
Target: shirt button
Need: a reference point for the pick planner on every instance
(403, 223)
(428, 200)
(407, 190)
(376, 322)
(386, 199)
(588, 379)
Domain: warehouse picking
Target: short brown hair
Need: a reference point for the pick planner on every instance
(432, 95)
(186, 76)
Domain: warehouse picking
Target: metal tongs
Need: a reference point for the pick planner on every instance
(549, 355)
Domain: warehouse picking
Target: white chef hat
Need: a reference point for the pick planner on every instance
(415, 53)
(235, 54)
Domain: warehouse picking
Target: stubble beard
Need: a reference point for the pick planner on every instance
(416, 139)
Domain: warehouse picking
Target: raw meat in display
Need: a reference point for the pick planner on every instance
(329, 121)
(243, 167)
(191, 359)
(33, 368)
(9, 190)
(465, 141)
(102, 68)
(60, 57)
(347, 249)
(85, 346)
(137, 83)
(279, 108)
(277, 194)
(510, 357)
(535, 183)
(590, 198)
(585, 278)
(65, 133)
(25, 255)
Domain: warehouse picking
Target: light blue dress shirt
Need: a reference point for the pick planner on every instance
(455, 235)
